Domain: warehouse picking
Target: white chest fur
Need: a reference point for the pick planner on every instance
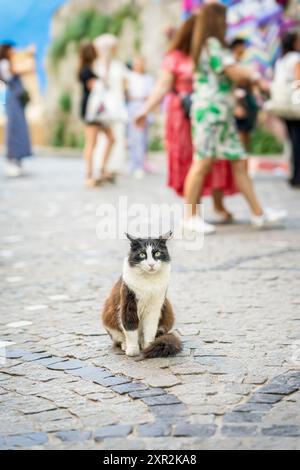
(150, 289)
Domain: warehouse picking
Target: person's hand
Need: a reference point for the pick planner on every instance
(240, 112)
(264, 86)
(140, 119)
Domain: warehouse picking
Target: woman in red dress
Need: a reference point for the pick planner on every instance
(176, 81)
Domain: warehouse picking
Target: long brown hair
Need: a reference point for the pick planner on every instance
(183, 37)
(5, 49)
(87, 55)
(210, 22)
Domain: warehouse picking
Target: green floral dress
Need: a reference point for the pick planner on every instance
(214, 131)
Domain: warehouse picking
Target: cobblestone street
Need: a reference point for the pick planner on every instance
(236, 383)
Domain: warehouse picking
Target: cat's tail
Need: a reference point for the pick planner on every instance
(163, 346)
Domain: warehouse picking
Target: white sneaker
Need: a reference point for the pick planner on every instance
(12, 170)
(139, 174)
(268, 218)
(196, 224)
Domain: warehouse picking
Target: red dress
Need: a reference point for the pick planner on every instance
(179, 136)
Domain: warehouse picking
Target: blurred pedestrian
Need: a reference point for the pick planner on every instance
(176, 81)
(114, 72)
(18, 143)
(287, 72)
(139, 86)
(246, 108)
(214, 132)
(88, 79)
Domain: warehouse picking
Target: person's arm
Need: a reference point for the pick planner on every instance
(24, 67)
(163, 86)
(297, 71)
(240, 75)
(90, 83)
(243, 76)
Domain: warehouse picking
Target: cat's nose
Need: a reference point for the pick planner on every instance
(151, 266)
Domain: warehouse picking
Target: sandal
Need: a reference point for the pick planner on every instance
(90, 183)
(108, 176)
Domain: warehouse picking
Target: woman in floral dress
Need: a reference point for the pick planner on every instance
(214, 132)
(176, 81)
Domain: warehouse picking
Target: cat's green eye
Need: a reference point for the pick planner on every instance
(157, 254)
(142, 255)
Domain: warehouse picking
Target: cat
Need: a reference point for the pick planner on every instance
(137, 315)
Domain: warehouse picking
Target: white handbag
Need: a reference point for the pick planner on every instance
(285, 99)
(103, 107)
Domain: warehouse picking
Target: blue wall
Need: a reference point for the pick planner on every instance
(28, 22)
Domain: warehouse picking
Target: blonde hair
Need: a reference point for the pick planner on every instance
(105, 44)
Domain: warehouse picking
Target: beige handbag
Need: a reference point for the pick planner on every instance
(285, 100)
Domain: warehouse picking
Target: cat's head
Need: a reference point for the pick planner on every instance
(149, 254)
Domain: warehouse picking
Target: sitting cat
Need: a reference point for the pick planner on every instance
(137, 315)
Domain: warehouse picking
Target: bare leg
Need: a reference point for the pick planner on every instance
(91, 133)
(110, 140)
(218, 201)
(245, 139)
(194, 183)
(245, 185)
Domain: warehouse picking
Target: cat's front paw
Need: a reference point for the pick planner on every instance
(132, 351)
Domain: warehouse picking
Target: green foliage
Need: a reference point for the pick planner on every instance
(156, 144)
(58, 136)
(265, 143)
(99, 24)
(89, 24)
(62, 137)
(73, 140)
(65, 103)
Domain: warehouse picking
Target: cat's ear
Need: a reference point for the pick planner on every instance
(131, 238)
(166, 236)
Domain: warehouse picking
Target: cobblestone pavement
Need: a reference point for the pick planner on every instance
(236, 383)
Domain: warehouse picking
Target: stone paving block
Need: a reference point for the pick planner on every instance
(70, 364)
(119, 430)
(242, 417)
(73, 435)
(35, 408)
(14, 353)
(265, 398)
(111, 381)
(238, 431)
(95, 374)
(168, 412)
(256, 407)
(162, 379)
(148, 392)
(161, 400)
(34, 356)
(278, 389)
(282, 431)
(194, 430)
(155, 429)
(26, 440)
(129, 387)
(48, 361)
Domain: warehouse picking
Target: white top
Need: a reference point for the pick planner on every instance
(139, 85)
(285, 67)
(5, 73)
